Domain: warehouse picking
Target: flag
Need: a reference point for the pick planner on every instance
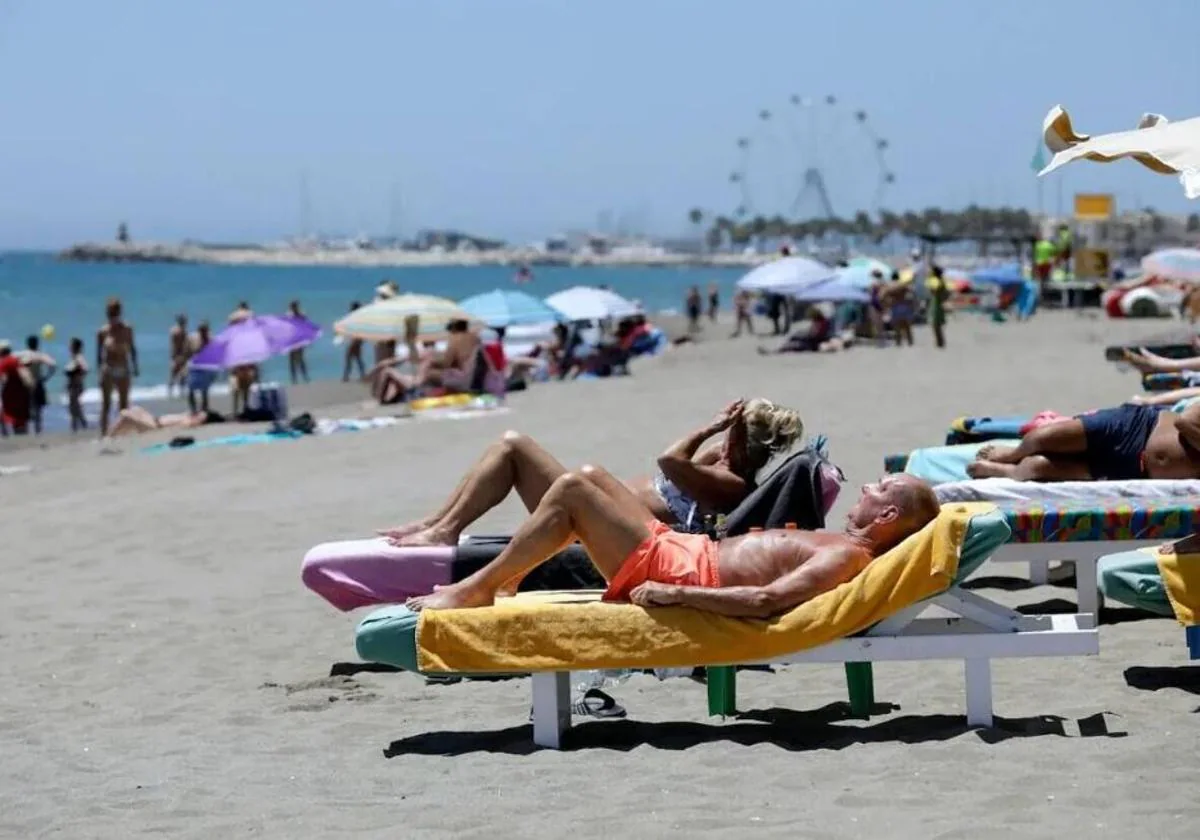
(1038, 162)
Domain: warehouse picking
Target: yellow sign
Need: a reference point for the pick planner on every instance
(1093, 206)
(1092, 264)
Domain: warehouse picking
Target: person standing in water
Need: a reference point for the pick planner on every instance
(116, 360)
(297, 367)
(177, 342)
(76, 371)
(41, 367)
(199, 380)
(691, 305)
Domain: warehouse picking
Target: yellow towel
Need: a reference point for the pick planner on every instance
(538, 632)
(1181, 575)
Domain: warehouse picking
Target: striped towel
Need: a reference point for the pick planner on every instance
(1160, 145)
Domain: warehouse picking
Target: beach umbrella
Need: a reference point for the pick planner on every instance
(1165, 147)
(859, 272)
(384, 319)
(586, 303)
(509, 307)
(1181, 264)
(786, 276)
(837, 290)
(254, 340)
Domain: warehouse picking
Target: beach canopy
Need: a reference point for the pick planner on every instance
(786, 276)
(1157, 143)
(1181, 264)
(254, 340)
(587, 303)
(837, 290)
(384, 320)
(509, 307)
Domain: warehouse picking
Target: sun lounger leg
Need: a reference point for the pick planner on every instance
(1087, 590)
(1193, 641)
(551, 708)
(979, 692)
(1039, 571)
(722, 690)
(860, 682)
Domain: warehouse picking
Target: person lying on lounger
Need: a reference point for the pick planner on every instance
(757, 575)
(689, 483)
(1113, 444)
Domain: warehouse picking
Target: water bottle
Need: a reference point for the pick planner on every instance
(584, 681)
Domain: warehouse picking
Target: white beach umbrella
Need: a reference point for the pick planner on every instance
(1160, 145)
(587, 303)
(786, 276)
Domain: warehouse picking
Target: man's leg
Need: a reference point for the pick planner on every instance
(1033, 468)
(1064, 437)
(516, 462)
(609, 527)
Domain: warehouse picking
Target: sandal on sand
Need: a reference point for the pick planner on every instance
(595, 703)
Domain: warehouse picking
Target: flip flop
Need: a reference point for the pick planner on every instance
(595, 703)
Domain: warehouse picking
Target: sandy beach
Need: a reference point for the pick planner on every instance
(166, 674)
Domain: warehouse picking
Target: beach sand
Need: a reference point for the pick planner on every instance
(165, 673)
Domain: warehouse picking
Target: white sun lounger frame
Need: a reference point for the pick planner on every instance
(979, 631)
(1082, 555)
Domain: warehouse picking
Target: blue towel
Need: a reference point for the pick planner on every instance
(228, 440)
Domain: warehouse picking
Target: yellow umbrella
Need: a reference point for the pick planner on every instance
(384, 320)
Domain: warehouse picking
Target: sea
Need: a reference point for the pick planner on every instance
(41, 295)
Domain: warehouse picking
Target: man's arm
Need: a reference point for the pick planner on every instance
(1189, 425)
(824, 571)
(133, 353)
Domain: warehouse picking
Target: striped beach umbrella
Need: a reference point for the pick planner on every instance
(384, 320)
(1181, 264)
(509, 307)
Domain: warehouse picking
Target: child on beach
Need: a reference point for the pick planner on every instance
(76, 372)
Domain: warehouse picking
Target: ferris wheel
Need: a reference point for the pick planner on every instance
(811, 158)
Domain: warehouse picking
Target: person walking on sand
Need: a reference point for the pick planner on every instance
(76, 371)
(939, 292)
(692, 306)
(354, 353)
(116, 361)
(297, 367)
(41, 367)
(903, 308)
(741, 309)
(180, 352)
(714, 301)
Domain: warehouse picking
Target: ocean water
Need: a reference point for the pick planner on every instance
(36, 290)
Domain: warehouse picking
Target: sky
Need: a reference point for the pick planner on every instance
(211, 119)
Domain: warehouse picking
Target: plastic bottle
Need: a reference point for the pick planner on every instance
(720, 526)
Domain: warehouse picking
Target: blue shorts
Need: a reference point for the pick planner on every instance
(1116, 439)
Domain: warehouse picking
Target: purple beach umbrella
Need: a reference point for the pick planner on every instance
(255, 340)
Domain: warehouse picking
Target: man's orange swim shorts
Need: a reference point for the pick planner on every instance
(666, 556)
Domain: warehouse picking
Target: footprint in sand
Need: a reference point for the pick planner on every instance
(323, 692)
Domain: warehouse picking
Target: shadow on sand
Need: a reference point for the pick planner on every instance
(798, 731)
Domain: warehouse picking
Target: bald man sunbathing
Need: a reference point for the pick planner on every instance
(755, 576)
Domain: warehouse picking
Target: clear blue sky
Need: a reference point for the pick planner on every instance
(523, 117)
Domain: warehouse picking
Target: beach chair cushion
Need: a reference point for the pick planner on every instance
(1132, 578)
(574, 631)
(943, 464)
(1006, 490)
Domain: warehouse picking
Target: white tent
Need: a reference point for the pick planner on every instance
(586, 303)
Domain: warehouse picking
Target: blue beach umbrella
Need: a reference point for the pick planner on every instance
(858, 273)
(837, 290)
(509, 307)
(786, 276)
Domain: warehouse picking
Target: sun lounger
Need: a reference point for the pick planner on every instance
(357, 573)
(875, 617)
(1158, 382)
(1174, 345)
(1162, 582)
